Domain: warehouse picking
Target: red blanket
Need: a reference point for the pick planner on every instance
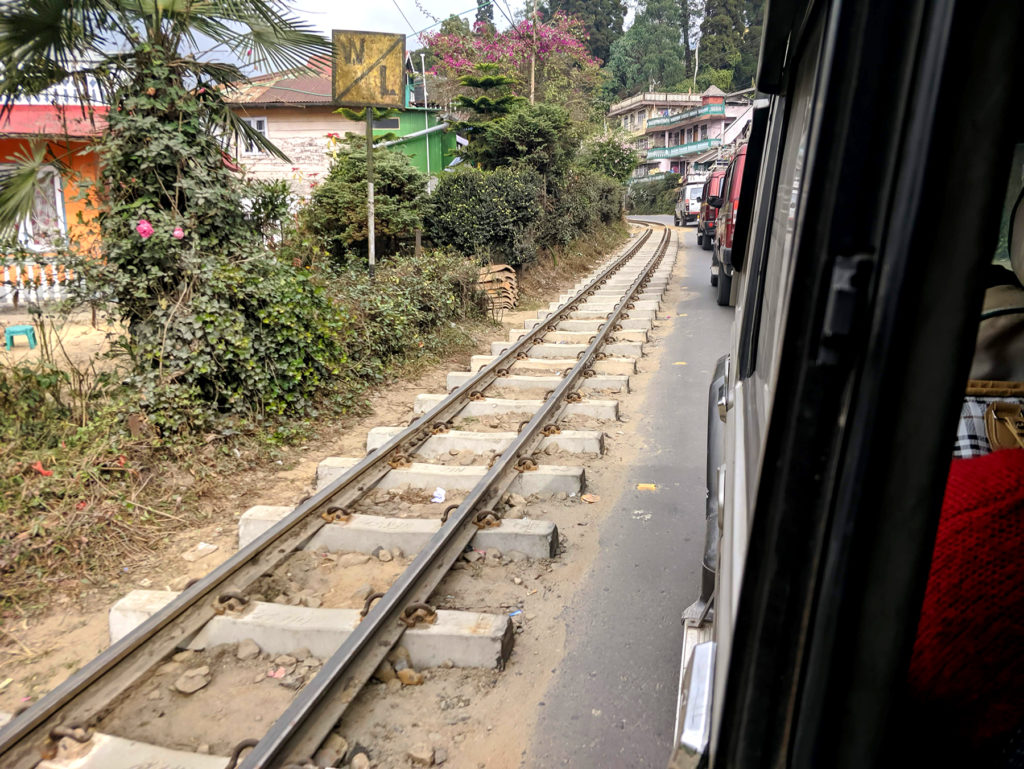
(967, 669)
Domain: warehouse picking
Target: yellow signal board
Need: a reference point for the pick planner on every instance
(369, 69)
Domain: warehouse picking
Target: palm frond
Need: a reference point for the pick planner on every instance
(42, 42)
(232, 125)
(261, 32)
(18, 184)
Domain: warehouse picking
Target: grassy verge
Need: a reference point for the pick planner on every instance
(562, 265)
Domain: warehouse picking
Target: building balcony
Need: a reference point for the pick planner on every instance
(659, 153)
(650, 177)
(670, 121)
(653, 98)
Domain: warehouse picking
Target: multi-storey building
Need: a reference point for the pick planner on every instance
(675, 132)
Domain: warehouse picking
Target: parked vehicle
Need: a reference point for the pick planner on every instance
(727, 203)
(859, 268)
(688, 202)
(707, 214)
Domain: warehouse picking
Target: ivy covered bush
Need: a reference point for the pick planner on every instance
(215, 324)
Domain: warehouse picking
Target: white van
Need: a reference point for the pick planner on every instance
(688, 202)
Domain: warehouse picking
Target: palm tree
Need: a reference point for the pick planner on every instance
(110, 44)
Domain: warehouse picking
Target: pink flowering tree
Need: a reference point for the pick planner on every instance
(565, 72)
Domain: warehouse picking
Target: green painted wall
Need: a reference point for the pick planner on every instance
(441, 143)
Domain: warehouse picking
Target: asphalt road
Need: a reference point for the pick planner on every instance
(612, 702)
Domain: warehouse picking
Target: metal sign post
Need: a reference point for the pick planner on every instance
(368, 71)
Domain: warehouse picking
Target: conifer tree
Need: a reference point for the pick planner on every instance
(602, 19)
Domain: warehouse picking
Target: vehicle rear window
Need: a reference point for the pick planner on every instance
(693, 191)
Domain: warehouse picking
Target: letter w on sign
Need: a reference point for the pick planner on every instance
(369, 69)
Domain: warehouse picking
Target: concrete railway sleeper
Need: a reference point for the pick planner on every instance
(221, 607)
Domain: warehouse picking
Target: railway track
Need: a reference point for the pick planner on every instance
(271, 610)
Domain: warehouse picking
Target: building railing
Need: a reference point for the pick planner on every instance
(670, 120)
(652, 177)
(654, 97)
(32, 281)
(65, 94)
(682, 149)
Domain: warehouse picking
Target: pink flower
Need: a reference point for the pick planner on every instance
(178, 233)
(144, 228)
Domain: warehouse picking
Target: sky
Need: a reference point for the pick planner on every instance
(386, 15)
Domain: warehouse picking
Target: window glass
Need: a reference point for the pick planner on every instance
(260, 125)
(44, 227)
(1013, 188)
(783, 227)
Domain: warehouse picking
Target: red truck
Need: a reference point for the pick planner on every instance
(727, 203)
(708, 214)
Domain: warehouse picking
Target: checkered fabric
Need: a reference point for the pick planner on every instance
(971, 439)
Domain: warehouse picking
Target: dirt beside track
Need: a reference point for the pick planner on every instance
(470, 718)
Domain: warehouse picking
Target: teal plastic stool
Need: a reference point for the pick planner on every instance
(26, 331)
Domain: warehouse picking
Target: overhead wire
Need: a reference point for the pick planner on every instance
(404, 16)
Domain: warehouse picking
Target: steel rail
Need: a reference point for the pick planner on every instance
(304, 725)
(93, 688)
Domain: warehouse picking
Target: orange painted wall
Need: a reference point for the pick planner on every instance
(79, 214)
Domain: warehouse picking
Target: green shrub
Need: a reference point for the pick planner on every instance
(657, 197)
(610, 156)
(490, 215)
(582, 200)
(336, 213)
(258, 336)
(269, 201)
(540, 136)
(392, 316)
(31, 400)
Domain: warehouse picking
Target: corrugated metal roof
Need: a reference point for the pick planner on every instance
(289, 87)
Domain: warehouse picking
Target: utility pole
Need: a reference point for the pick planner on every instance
(696, 64)
(533, 55)
(369, 187)
(426, 110)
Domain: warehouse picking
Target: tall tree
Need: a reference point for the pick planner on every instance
(649, 53)
(602, 20)
(690, 14)
(722, 34)
(485, 13)
(565, 73)
(750, 47)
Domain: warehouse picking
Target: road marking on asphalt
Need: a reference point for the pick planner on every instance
(647, 487)
(679, 363)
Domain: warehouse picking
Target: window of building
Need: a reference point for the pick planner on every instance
(45, 226)
(387, 122)
(704, 131)
(260, 126)
(689, 135)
